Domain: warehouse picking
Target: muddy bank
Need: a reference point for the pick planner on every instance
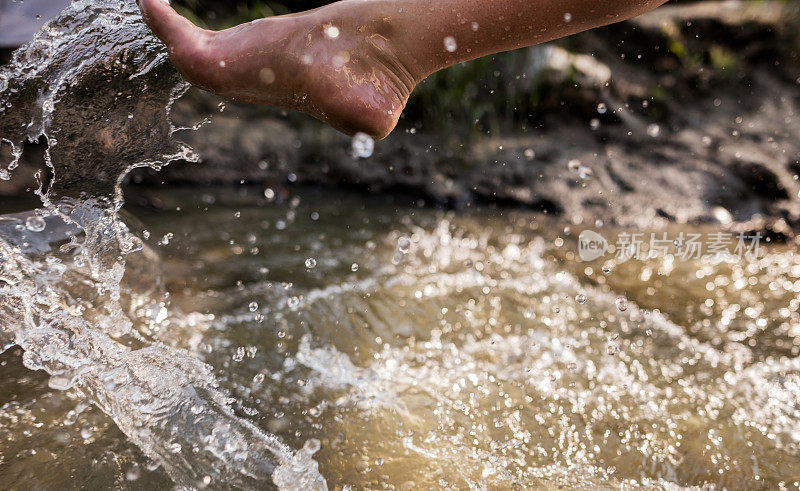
(688, 114)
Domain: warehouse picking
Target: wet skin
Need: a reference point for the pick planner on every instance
(354, 63)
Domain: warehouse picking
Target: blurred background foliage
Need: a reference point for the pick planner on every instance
(219, 14)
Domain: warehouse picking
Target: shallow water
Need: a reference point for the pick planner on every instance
(467, 361)
(228, 341)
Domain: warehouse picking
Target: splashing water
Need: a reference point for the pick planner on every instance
(96, 87)
(420, 351)
(470, 364)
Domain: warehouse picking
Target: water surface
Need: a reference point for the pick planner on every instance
(424, 348)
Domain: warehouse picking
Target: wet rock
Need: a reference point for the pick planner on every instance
(762, 181)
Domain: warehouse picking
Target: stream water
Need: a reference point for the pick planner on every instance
(233, 341)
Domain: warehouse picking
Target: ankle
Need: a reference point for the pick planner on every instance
(381, 36)
(370, 79)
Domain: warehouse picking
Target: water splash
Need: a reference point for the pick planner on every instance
(96, 88)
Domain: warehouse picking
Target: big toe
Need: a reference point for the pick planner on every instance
(187, 44)
(168, 25)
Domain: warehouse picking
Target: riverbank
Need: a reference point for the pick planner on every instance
(689, 114)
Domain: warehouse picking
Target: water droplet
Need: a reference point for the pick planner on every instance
(253, 306)
(62, 381)
(35, 224)
(530, 154)
(594, 124)
(175, 447)
(567, 17)
(311, 263)
(259, 379)
(293, 302)
(450, 44)
(340, 59)
(654, 130)
(239, 355)
(362, 146)
(602, 108)
(332, 32)
(621, 303)
(133, 473)
(580, 298)
(722, 215)
(87, 432)
(582, 171)
(267, 75)
(404, 245)
(312, 446)
(354, 267)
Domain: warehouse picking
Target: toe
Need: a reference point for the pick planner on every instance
(187, 44)
(167, 24)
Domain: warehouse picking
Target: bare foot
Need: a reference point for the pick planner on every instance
(333, 64)
(354, 63)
